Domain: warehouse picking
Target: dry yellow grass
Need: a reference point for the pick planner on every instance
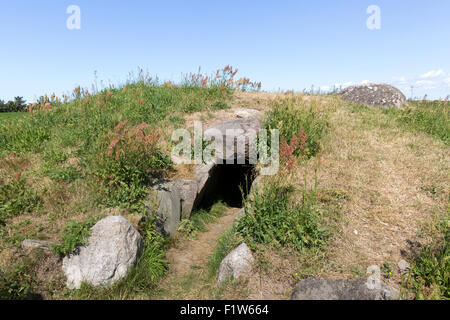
(384, 169)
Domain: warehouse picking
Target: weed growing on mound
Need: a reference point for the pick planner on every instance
(17, 198)
(429, 277)
(115, 137)
(424, 116)
(293, 119)
(75, 234)
(273, 218)
(126, 162)
(200, 217)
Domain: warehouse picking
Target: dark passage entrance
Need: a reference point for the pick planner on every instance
(225, 185)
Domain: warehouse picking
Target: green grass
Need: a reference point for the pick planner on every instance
(290, 119)
(199, 218)
(226, 243)
(16, 198)
(75, 234)
(11, 116)
(276, 220)
(425, 116)
(114, 135)
(80, 155)
(16, 283)
(429, 277)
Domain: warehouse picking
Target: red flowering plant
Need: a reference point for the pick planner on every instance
(129, 160)
(289, 152)
(223, 79)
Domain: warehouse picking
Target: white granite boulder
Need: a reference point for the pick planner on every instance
(112, 248)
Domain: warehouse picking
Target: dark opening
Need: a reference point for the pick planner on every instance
(225, 185)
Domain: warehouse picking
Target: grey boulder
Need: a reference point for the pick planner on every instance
(234, 135)
(34, 244)
(347, 289)
(165, 203)
(188, 193)
(247, 113)
(237, 263)
(374, 94)
(112, 248)
(403, 266)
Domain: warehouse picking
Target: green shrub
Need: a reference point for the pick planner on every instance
(16, 283)
(219, 105)
(201, 217)
(386, 268)
(188, 229)
(425, 116)
(54, 156)
(23, 136)
(17, 198)
(127, 162)
(276, 220)
(290, 119)
(65, 174)
(430, 271)
(75, 234)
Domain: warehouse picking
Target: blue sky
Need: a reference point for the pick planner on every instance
(284, 44)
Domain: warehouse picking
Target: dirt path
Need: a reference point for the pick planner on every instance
(188, 259)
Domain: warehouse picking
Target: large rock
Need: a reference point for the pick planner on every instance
(165, 203)
(36, 244)
(188, 193)
(240, 132)
(403, 266)
(374, 94)
(202, 175)
(247, 113)
(239, 215)
(112, 248)
(237, 263)
(348, 289)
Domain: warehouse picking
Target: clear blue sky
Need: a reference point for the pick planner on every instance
(283, 44)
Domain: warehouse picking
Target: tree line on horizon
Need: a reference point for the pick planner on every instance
(16, 105)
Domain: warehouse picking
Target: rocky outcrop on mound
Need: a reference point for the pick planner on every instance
(348, 289)
(112, 248)
(237, 263)
(374, 94)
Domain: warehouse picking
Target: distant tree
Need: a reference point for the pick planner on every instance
(40, 100)
(19, 104)
(2, 106)
(10, 106)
